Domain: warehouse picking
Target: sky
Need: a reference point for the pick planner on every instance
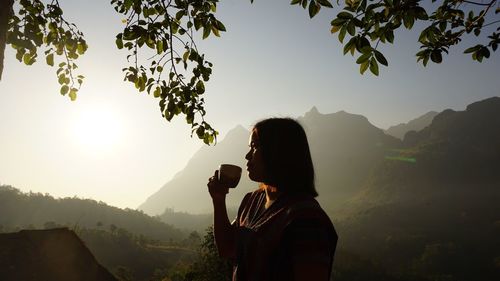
(272, 61)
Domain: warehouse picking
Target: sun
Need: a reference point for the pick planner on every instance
(97, 128)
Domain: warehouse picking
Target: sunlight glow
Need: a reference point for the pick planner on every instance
(97, 128)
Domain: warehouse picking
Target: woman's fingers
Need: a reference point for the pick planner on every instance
(215, 188)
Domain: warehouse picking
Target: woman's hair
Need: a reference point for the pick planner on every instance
(287, 159)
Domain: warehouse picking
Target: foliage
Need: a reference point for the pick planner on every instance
(133, 257)
(36, 25)
(445, 23)
(177, 71)
(164, 61)
(209, 266)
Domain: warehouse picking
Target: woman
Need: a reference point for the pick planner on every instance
(280, 232)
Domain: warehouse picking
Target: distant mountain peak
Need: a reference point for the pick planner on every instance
(313, 112)
(239, 129)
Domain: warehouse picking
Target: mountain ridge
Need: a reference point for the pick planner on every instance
(333, 136)
(416, 124)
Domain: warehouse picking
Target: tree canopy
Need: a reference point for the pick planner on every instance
(164, 61)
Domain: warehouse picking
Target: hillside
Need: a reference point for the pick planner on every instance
(130, 244)
(34, 210)
(433, 207)
(417, 124)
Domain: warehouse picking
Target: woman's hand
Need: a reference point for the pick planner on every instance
(215, 188)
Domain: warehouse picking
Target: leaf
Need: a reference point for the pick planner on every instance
(363, 58)
(344, 15)
(325, 3)
(81, 48)
(335, 28)
(119, 43)
(390, 36)
(436, 56)
(472, 49)
(159, 47)
(363, 67)
(200, 87)
(313, 8)
(485, 52)
(50, 59)
(408, 21)
(200, 132)
(206, 31)
(364, 45)
(349, 44)
(197, 23)
(215, 31)
(426, 59)
(380, 58)
(72, 94)
(374, 67)
(62, 79)
(64, 90)
(442, 26)
(179, 15)
(295, 2)
(342, 33)
(157, 92)
(338, 22)
(27, 59)
(351, 28)
(220, 26)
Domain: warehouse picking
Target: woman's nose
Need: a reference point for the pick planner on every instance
(248, 155)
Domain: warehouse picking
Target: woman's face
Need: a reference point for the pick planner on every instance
(255, 161)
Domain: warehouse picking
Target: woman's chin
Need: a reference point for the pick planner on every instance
(254, 177)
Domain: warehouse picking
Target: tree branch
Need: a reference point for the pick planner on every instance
(479, 4)
(5, 14)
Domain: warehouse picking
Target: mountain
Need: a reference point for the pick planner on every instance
(424, 208)
(416, 124)
(432, 207)
(344, 147)
(187, 191)
(456, 156)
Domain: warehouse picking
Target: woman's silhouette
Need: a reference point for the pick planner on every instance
(280, 232)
